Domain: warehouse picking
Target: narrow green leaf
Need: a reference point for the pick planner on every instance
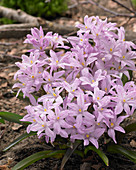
(35, 157)
(12, 117)
(20, 138)
(130, 128)
(80, 153)
(119, 149)
(68, 153)
(2, 120)
(20, 96)
(124, 79)
(99, 152)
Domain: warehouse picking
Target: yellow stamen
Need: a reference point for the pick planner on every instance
(49, 79)
(86, 27)
(23, 84)
(32, 76)
(84, 52)
(74, 127)
(83, 64)
(112, 124)
(34, 120)
(58, 118)
(87, 136)
(80, 110)
(123, 57)
(132, 98)
(124, 100)
(92, 81)
(81, 39)
(40, 36)
(98, 98)
(97, 34)
(106, 89)
(110, 49)
(54, 95)
(73, 90)
(71, 66)
(123, 39)
(119, 67)
(43, 126)
(31, 62)
(98, 123)
(45, 110)
(101, 108)
(57, 61)
(41, 48)
(39, 72)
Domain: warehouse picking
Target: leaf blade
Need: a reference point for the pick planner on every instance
(119, 149)
(68, 153)
(35, 157)
(19, 139)
(2, 120)
(13, 117)
(99, 152)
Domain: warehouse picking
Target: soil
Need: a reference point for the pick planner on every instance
(10, 52)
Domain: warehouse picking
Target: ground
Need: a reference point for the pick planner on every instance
(10, 52)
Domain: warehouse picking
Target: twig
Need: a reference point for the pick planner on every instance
(13, 56)
(7, 44)
(124, 6)
(110, 11)
(106, 9)
(3, 68)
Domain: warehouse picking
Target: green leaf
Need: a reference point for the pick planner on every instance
(12, 117)
(134, 3)
(119, 149)
(130, 128)
(20, 96)
(68, 153)
(35, 157)
(124, 79)
(99, 152)
(80, 153)
(2, 120)
(20, 138)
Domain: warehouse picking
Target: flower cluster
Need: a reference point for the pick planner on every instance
(84, 95)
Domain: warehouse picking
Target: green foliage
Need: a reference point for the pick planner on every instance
(6, 21)
(35, 157)
(2, 120)
(68, 153)
(120, 150)
(134, 3)
(38, 8)
(65, 151)
(12, 117)
(99, 152)
(19, 139)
